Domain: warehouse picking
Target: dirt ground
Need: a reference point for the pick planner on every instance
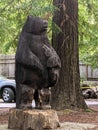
(89, 116)
(4, 114)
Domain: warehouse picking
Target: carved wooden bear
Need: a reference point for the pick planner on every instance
(37, 64)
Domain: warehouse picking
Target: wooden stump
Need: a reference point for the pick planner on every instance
(33, 119)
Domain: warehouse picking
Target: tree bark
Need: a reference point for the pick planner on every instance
(67, 93)
(33, 119)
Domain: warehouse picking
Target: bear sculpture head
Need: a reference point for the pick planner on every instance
(35, 25)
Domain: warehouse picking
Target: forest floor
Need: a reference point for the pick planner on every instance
(89, 116)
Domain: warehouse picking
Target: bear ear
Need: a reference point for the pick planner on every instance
(29, 17)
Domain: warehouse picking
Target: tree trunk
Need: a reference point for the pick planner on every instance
(20, 119)
(67, 93)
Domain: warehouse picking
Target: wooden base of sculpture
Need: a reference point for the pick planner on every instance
(33, 119)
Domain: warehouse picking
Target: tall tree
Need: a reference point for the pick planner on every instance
(13, 14)
(67, 93)
(88, 32)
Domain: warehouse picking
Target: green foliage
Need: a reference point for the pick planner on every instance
(89, 110)
(13, 13)
(88, 32)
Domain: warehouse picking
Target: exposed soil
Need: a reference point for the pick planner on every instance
(4, 114)
(89, 116)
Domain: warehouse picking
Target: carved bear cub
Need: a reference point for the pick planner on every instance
(37, 64)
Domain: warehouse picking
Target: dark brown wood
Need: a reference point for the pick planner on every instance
(37, 64)
(67, 93)
(92, 79)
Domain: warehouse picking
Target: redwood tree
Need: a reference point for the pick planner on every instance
(67, 93)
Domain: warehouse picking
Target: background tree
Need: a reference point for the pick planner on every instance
(88, 32)
(12, 17)
(13, 14)
(67, 93)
